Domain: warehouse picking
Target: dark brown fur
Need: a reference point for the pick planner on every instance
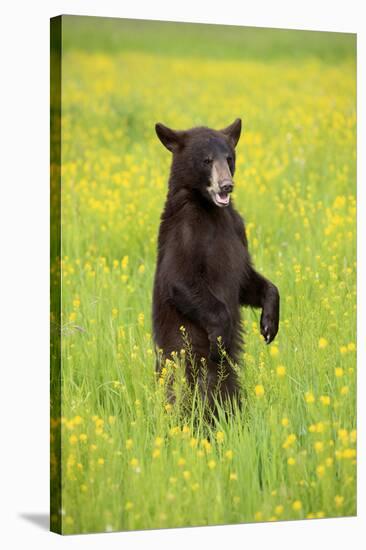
(204, 271)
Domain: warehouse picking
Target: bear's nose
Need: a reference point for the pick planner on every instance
(226, 187)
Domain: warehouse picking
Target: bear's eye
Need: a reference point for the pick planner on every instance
(207, 161)
(229, 159)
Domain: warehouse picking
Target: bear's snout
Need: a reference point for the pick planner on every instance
(226, 186)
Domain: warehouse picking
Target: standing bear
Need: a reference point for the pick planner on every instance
(204, 272)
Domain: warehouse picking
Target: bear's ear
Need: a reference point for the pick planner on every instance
(233, 131)
(171, 139)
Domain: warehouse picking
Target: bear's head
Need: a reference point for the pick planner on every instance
(203, 159)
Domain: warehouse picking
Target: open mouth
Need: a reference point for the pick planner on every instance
(222, 199)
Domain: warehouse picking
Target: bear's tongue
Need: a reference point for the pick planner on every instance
(222, 198)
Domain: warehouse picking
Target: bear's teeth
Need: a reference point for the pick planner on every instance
(222, 198)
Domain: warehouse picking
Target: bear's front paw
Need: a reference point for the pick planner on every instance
(269, 326)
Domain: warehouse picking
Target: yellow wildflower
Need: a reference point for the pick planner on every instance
(323, 342)
(343, 435)
(309, 397)
(281, 371)
(349, 453)
(325, 400)
(206, 445)
(289, 441)
(259, 390)
(318, 446)
(338, 499)
(124, 262)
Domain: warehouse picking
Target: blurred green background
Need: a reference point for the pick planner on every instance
(111, 35)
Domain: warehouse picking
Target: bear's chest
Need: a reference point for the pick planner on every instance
(223, 259)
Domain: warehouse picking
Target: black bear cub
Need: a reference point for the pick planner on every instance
(204, 271)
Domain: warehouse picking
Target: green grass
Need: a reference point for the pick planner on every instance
(218, 42)
(126, 461)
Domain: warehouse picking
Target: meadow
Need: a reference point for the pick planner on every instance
(128, 459)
